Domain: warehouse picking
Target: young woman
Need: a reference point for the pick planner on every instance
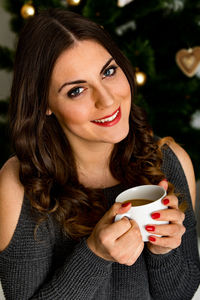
(79, 141)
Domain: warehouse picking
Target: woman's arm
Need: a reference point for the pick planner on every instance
(30, 274)
(11, 198)
(176, 275)
(188, 169)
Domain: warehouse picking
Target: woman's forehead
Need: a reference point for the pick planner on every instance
(83, 57)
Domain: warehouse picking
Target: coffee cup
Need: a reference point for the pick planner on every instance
(145, 199)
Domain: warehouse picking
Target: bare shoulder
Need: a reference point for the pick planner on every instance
(187, 166)
(11, 198)
(9, 178)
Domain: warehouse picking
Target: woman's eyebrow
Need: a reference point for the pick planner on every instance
(83, 81)
(106, 64)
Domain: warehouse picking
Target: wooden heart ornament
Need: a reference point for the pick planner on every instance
(188, 60)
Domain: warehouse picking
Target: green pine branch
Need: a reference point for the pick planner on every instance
(6, 58)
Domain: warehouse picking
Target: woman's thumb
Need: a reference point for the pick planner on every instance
(117, 208)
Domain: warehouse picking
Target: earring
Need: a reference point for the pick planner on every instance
(48, 112)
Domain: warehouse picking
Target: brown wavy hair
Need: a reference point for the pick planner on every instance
(47, 165)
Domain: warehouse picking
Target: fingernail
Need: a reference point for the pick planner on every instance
(165, 179)
(152, 239)
(126, 204)
(166, 201)
(150, 228)
(155, 216)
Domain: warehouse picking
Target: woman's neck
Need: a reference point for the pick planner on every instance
(93, 166)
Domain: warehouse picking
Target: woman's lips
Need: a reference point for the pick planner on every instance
(109, 120)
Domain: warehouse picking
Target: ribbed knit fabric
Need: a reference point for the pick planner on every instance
(53, 267)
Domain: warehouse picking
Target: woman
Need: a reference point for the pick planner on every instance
(79, 141)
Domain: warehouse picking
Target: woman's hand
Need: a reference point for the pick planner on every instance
(119, 241)
(171, 233)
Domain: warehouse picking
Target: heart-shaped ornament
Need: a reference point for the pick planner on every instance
(188, 60)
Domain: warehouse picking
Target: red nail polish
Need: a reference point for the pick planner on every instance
(126, 204)
(152, 239)
(150, 228)
(165, 179)
(166, 201)
(155, 215)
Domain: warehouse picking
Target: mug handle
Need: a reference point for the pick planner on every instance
(120, 216)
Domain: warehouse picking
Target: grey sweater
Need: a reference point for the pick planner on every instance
(53, 267)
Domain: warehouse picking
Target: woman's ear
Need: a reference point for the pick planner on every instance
(48, 112)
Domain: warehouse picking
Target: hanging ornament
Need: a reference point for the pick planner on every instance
(27, 10)
(195, 120)
(188, 60)
(73, 2)
(122, 3)
(141, 77)
(131, 25)
(174, 5)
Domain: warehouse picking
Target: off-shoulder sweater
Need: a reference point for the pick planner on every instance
(54, 267)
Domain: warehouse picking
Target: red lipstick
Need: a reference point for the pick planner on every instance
(109, 120)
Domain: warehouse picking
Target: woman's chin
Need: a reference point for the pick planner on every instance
(120, 136)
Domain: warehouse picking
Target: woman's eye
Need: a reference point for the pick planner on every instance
(75, 92)
(110, 71)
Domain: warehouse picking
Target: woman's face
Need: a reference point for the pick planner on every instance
(90, 95)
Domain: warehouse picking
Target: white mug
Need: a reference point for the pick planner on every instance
(142, 213)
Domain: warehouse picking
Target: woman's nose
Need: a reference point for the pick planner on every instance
(103, 98)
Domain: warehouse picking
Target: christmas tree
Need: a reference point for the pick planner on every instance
(160, 38)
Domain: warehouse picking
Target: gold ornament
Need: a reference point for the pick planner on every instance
(188, 60)
(73, 2)
(140, 77)
(27, 10)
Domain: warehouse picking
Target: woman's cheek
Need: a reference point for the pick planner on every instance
(76, 114)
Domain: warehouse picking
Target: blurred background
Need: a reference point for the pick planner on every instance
(161, 38)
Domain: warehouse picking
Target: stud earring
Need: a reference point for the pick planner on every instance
(48, 112)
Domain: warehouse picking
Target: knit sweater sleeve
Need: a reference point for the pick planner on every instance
(176, 275)
(32, 268)
(79, 278)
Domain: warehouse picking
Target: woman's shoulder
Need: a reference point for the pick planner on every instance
(11, 199)
(187, 166)
(9, 178)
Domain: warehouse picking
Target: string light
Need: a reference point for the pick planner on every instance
(73, 2)
(140, 77)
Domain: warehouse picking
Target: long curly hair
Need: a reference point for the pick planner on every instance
(47, 166)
